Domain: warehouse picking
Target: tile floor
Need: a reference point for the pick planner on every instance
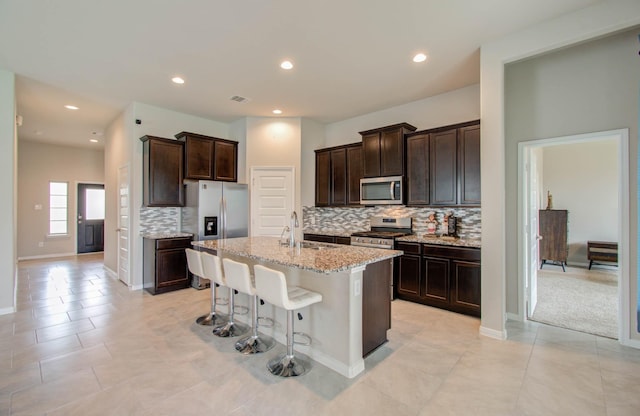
(81, 343)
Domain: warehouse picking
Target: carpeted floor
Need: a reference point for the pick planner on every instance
(580, 299)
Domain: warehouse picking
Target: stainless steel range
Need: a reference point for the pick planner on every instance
(384, 231)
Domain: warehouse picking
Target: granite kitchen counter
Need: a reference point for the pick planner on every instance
(312, 256)
(444, 241)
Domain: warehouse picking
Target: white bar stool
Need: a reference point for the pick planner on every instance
(234, 281)
(194, 262)
(271, 286)
(211, 270)
(241, 281)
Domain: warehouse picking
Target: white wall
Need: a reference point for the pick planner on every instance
(38, 164)
(8, 233)
(441, 110)
(583, 178)
(497, 229)
(312, 138)
(276, 142)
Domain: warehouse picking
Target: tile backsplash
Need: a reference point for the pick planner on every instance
(348, 220)
(159, 220)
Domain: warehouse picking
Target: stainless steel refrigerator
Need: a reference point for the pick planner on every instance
(215, 210)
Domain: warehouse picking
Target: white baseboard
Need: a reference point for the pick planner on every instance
(492, 333)
(112, 274)
(7, 311)
(514, 317)
(47, 256)
(633, 343)
(136, 287)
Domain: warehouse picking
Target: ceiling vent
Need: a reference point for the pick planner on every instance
(239, 99)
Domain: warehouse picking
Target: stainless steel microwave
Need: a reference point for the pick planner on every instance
(381, 191)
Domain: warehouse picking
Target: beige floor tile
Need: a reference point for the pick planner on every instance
(42, 322)
(63, 330)
(362, 399)
(14, 379)
(49, 396)
(44, 350)
(67, 364)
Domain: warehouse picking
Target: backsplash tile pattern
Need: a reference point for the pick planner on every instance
(349, 220)
(159, 220)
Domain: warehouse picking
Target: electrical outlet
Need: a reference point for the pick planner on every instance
(357, 288)
(41, 244)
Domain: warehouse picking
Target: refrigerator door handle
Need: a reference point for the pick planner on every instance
(223, 212)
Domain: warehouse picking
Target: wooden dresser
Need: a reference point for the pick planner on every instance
(552, 227)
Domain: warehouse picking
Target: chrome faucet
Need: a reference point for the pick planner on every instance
(294, 224)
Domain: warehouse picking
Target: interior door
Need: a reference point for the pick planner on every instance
(532, 200)
(123, 225)
(90, 229)
(272, 200)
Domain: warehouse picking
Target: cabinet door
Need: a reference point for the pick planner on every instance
(354, 174)
(409, 276)
(552, 226)
(469, 165)
(465, 287)
(338, 181)
(198, 158)
(225, 161)
(171, 268)
(164, 164)
(435, 286)
(371, 155)
(418, 170)
(392, 152)
(323, 178)
(443, 167)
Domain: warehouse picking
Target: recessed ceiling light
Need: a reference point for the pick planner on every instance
(286, 65)
(276, 111)
(93, 140)
(70, 107)
(420, 57)
(177, 80)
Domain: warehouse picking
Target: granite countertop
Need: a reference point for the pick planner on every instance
(160, 236)
(445, 241)
(329, 259)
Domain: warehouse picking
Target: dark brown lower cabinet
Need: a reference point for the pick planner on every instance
(165, 264)
(323, 238)
(446, 277)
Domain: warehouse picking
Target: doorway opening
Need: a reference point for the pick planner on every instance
(573, 173)
(90, 217)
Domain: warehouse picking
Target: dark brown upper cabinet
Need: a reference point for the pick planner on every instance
(418, 170)
(209, 158)
(469, 165)
(162, 169)
(443, 169)
(338, 173)
(354, 173)
(443, 166)
(383, 150)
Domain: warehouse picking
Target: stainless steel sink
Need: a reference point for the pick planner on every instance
(316, 246)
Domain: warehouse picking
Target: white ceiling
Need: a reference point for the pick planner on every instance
(351, 57)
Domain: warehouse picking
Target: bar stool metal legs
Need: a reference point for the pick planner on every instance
(287, 365)
(231, 328)
(254, 343)
(211, 318)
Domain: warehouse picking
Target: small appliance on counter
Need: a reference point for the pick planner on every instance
(215, 210)
(451, 229)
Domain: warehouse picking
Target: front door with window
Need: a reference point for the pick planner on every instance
(90, 218)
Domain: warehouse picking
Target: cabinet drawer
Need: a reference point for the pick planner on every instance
(167, 243)
(458, 253)
(408, 248)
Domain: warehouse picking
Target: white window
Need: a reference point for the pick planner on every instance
(58, 203)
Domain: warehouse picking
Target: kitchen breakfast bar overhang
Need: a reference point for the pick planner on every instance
(334, 325)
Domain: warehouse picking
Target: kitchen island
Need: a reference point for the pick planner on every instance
(337, 325)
